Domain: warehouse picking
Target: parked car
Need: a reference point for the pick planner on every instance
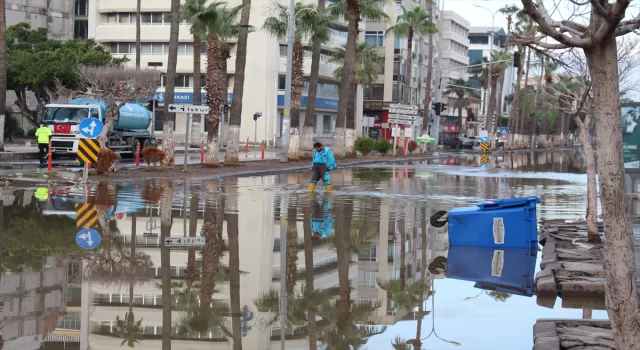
(454, 142)
(468, 142)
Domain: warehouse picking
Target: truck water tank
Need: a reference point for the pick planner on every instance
(133, 117)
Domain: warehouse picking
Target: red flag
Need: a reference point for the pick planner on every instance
(62, 128)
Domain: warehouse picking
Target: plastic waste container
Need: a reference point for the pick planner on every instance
(502, 270)
(505, 223)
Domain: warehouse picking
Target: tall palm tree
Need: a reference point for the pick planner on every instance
(307, 128)
(214, 244)
(233, 235)
(138, 9)
(309, 25)
(218, 24)
(168, 144)
(412, 22)
(235, 118)
(496, 73)
(427, 96)
(351, 11)
(461, 89)
(189, 8)
(3, 70)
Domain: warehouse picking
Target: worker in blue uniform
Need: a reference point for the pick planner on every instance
(323, 161)
(321, 218)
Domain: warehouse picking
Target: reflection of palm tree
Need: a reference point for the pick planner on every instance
(355, 325)
(166, 209)
(308, 269)
(214, 244)
(129, 330)
(298, 305)
(196, 321)
(292, 248)
(497, 296)
(405, 297)
(234, 263)
(191, 272)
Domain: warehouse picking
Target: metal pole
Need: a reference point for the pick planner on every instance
(255, 132)
(438, 91)
(394, 130)
(186, 142)
(184, 206)
(562, 131)
(283, 266)
(286, 120)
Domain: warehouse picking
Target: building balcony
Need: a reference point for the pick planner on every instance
(452, 55)
(453, 36)
(106, 6)
(150, 32)
(325, 71)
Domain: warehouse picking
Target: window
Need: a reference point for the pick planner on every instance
(375, 92)
(123, 48)
(397, 42)
(367, 279)
(157, 18)
(182, 80)
(375, 38)
(282, 82)
(283, 50)
(145, 18)
(80, 8)
(81, 29)
(125, 18)
(483, 40)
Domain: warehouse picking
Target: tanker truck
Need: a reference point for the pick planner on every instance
(131, 127)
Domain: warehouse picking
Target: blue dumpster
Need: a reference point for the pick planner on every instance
(502, 270)
(505, 223)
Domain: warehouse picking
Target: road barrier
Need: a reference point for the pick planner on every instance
(138, 154)
(202, 152)
(246, 148)
(484, 146)
(50, 158)
(262, 149)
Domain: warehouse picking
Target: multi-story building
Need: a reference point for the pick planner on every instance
(392, 79)
(483, 41)
(112, 24)
(455, 59)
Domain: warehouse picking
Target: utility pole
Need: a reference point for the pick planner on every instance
(437, 96)
(286, 120)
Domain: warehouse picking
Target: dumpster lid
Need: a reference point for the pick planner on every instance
(507, 202)
(527, 292)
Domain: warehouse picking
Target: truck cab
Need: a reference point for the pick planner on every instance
(64, 120)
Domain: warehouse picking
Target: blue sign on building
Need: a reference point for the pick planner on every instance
(187, 97)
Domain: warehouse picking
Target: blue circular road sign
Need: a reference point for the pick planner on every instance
(91, 128)
(88, 239)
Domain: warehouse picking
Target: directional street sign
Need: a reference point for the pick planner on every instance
(86, 215)
(193, 109)
(88, 239)
(91, 128)
(404, 122)
(88, 150)
(504, 130)
(483, 139)
(184, 241)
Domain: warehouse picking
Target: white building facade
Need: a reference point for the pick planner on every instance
(112, 24)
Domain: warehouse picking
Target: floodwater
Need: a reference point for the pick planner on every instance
(359, 262)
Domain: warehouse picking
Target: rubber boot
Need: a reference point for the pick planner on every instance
(311, 188)
(328, 188)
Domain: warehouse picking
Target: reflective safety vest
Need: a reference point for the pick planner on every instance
(43, 134)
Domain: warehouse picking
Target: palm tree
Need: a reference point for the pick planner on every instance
(412, 22)
(218, 24)
(497, 76)
(3, 70)
(214, 244)
(461, 89)
(233, 235)
(427, 97)
(129, 330)
(235, 118)
(309, 25)
(166, 207)
(351, 11)
(189, 8)
(292, 249)
(191, 273)
(307, 128)
(168, 144)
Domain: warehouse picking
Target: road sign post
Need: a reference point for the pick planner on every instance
(193, 109)
(88, 239)
(179, 242)
(186, 141)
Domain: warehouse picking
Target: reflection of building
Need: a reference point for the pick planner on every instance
(33, 304)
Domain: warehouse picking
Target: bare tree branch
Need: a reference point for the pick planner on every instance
(599, 9)
(548, 26)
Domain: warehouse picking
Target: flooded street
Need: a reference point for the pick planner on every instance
(358, 260)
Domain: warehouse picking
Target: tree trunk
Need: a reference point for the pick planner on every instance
(168, 144)
(132, 263)
(534, 116)
(197, 57)
(350, 128)
(427, 96)
(235, 118)
(292, 250)
(297, 86)
(621, 290)
(523, 102)
(498, 117)
(138, 53)
(405, 96)
(217, 54)
(348, 75)
(403, 255)
(489, 120)
(212, 251)
(417, 343)
(165, 262)
(191, 273)
(306, 147)
(592, 191)
(343, 228)
(3, 70)
(234, 273)
(308, 272)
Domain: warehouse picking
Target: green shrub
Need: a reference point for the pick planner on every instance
(383, 146)
(32, 132)
(364, 145)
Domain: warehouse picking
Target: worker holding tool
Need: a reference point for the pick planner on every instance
(322, 163)
(43, 134)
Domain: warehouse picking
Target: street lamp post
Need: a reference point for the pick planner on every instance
(437, 96)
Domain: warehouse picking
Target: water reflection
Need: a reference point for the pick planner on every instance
(360, 266)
